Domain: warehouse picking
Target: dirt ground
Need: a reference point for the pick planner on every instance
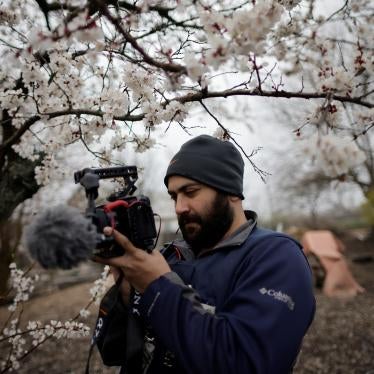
(340, 341)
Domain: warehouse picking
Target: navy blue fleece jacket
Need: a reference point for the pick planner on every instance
(243, 307)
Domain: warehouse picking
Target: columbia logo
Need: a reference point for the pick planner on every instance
(278, 295)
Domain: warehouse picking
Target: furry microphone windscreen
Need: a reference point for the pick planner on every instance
(60, 237)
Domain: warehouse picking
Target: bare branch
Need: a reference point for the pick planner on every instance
(338, 11)
(263, 174)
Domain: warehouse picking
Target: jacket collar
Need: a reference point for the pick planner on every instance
(237, 238)
(240, 235)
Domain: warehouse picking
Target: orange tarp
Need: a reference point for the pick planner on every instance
(339, 280)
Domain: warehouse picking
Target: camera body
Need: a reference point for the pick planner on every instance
(131, 215)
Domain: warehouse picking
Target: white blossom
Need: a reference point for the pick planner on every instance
(334, 155)
(249, 29)
(212, 21)
(175, 111)
(143, 143)
(114, 102)
(195, 68)
(219, 133)
(141, 83)
(50, 168)
(33, 325)
(100, 286)
(327, 114)
(219, 51)
(337, 80)
(84, 313)
(152, 111)
(365, 117)
(22, 285)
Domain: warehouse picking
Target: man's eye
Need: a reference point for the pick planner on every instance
(191, 192)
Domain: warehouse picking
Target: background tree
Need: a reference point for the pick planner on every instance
(317, 158)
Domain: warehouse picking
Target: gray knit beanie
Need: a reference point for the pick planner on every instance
(211, 161)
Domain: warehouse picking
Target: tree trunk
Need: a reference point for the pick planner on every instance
(17, 183)
(8, 245)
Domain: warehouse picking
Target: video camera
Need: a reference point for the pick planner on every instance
(130, 215)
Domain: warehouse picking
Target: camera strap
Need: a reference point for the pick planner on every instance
(107, 305)
(177, 249)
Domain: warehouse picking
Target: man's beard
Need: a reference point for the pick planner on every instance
(210, 227)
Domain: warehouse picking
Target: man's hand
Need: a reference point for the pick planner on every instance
(139, 267)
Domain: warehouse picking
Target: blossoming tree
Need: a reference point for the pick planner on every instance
(74, 70)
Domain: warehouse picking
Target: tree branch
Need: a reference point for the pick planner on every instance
(191, 97)
(170, 67)
(283, 94)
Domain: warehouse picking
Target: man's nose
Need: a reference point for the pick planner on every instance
(181, 205)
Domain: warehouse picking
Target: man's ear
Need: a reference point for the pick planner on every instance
(234, 199)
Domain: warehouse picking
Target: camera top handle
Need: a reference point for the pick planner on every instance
(89, 177)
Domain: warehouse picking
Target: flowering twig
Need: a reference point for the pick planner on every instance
(263, 174)
(171, 67)
(39, 333)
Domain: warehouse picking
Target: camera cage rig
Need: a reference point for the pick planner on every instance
(139, 219)
(89, 179)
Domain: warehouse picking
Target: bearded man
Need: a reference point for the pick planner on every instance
(231, 297)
